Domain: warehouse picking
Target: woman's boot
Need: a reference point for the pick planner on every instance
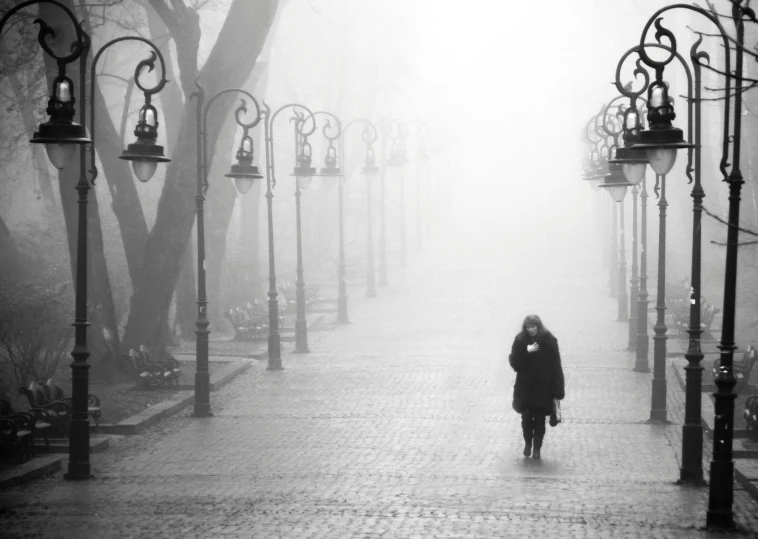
(527, 428)
(527, 446)
(537, 447)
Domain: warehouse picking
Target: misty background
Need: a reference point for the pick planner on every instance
(505, 88)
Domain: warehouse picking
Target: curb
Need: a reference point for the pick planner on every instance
(34, 469)
(749, 486)
(150, 416)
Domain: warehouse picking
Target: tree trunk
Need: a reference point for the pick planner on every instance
(185, 295)
(230, 62)
(39, 159)
(172, 102)
(219, 205)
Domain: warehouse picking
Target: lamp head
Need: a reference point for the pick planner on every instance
(60, 134)
(330, 170)
(661, 140)
(145, 154)
(616, 183)
(244, 172)
(303, 171)
(397, 157)
(370, 169)
(633, 163)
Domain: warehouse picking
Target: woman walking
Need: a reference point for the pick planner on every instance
(539, 380)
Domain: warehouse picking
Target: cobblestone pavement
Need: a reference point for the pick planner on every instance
(399, 425)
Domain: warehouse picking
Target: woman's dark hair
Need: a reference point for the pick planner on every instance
(533, 320)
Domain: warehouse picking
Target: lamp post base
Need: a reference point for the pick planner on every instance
(202, 411)
(202, 406)
(301, 337)
(274, 353)
(720, 514)
(79, 464)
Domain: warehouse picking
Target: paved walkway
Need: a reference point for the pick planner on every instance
(399, 425)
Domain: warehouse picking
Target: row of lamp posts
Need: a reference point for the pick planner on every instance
(619, 167)
(61, 136)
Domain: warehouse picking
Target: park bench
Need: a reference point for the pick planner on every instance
(5, 408)
(249, 321)
(54, 393)
(59, 412)
(741, 368)
(680, 313)
(751, 416)
(149, 374)
(51, 398)
(172, 369)
(15, 439)
(42, 422)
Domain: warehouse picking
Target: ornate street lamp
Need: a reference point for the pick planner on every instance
(303, 173)
(242, 173)
(60, 136)
(332, 173)
(600, 170)
(370, 170)
(661, 141)
(384, 125)
(398, 132)
(612, 130)
(719, 513)
(633, 163)
(422, 161)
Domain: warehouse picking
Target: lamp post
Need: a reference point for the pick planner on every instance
(617, 194)
(660, 141)
(370, 171)
(383, 125)
(332, 172)
(422, 158)
(369, 136)
(303, 173)
(61, 135)
(601, 169)
(202, 405)
(633, 163)
(719, 513)
(591, 164)
(398, 132)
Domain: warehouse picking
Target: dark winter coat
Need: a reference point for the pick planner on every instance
(539, 375)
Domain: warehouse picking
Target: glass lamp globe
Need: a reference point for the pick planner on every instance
(243, 183)
(144, 170)
(618, 192)
(304, 182)
(60, 154)
(661, 159)
(634, 172)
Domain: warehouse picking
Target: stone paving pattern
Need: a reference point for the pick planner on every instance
(399, 425)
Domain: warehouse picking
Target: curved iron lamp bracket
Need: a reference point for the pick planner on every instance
(738, 13)
(299, 114)
(203, 119)
(45, 31)
(148, 63)
(329, 127)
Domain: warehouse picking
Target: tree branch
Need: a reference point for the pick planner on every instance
(721, 220)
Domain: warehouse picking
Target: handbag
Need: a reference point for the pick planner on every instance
(555, 415)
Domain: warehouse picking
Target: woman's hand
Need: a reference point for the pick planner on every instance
(531, 348)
